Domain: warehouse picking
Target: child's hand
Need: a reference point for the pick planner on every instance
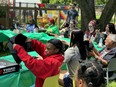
(28, 40)
(14, 45)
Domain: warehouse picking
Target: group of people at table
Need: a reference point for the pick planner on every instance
(52, 56)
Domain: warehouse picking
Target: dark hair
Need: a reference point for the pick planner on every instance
(77, 37)
(58, 44)
(92, 73)
(111, 28)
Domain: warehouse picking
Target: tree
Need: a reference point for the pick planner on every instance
(45, 1)
(2, 13)
(57, 1)
(101, 2)
(107, 13)
(88, 13)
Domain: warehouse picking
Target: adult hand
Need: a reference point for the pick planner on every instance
(97, 31)
(95, 55)
(39, 57)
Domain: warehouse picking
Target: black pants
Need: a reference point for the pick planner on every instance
(1, 45)
(68, 82)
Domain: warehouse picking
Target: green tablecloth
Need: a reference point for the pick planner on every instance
(5, 35)
(23, 78)
(43, 37)
(97, 47)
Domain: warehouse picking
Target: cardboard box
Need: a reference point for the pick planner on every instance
(8, 67)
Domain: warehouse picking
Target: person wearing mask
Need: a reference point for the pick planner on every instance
(49, 61)
(89, 74)
(90, 33)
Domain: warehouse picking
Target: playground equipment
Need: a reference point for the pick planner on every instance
(43, 20)
(22, 10)
(63, 12)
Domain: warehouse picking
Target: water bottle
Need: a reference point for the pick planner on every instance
(15, 26)
(85, 37)
(92, 38)
(34, 30)
(100, 44)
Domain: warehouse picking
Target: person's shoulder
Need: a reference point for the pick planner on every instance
(68, 10)
(70, 50)
(113, 49)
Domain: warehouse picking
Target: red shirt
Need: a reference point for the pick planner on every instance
(49, 66)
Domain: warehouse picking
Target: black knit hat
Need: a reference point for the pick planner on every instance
(57, 43)
(20, 39)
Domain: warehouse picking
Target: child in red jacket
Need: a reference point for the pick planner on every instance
(51, 57)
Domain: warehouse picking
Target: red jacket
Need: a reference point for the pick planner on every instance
(49, 66)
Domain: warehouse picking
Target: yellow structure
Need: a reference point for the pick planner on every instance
(43, 20)
(51, 81)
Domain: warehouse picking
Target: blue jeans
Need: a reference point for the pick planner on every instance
(67, 81)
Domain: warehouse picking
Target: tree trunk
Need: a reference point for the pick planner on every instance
(107, 14)
(87, 12)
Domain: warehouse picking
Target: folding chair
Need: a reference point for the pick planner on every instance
(111, 67)
(51, 81)
(73, 82)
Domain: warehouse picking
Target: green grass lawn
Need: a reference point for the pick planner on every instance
(112, 84)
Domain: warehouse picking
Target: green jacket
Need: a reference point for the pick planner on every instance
(52, 29)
